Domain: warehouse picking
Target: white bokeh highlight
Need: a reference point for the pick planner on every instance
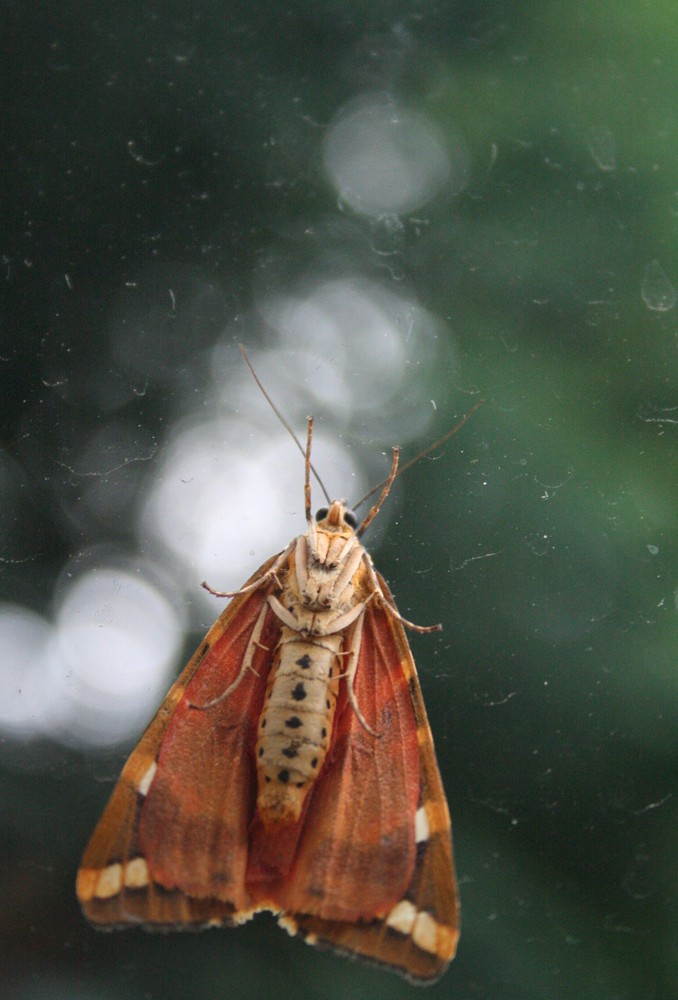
(27, 706)
(94, 675)
(118, 638)
(385, 159)
(356, 346)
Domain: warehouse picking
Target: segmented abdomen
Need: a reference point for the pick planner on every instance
(295, 725)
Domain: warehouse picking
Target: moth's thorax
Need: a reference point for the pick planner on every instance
(325, 570)
(330, 536)
(322, 594)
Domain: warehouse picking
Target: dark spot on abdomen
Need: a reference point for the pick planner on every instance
(299, 691)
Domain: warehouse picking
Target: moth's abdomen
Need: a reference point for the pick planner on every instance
(295, 725)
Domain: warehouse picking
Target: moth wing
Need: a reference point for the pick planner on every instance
(365, 802)
(170, 848)
(356, 850)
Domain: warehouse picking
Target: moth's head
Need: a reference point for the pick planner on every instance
(337, 518)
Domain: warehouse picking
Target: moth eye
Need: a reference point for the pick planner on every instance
(322, 513)
(351, 519)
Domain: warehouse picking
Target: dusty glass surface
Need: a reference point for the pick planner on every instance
(400, 209)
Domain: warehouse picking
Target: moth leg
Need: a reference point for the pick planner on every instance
(259, 582)
(391, 608)
(355, 639)
(411, 625)
(252, 646)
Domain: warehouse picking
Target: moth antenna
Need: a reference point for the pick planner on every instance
(307, 470)
(307, 455)
(382, 496)
(386, 483)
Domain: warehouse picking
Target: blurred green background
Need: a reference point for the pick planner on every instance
(170, 189)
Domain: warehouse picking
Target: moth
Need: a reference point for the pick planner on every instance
(291, 768)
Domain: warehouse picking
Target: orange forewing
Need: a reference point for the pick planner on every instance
(194, 824)
(133, 826)
(357, 852)
(430, 883)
